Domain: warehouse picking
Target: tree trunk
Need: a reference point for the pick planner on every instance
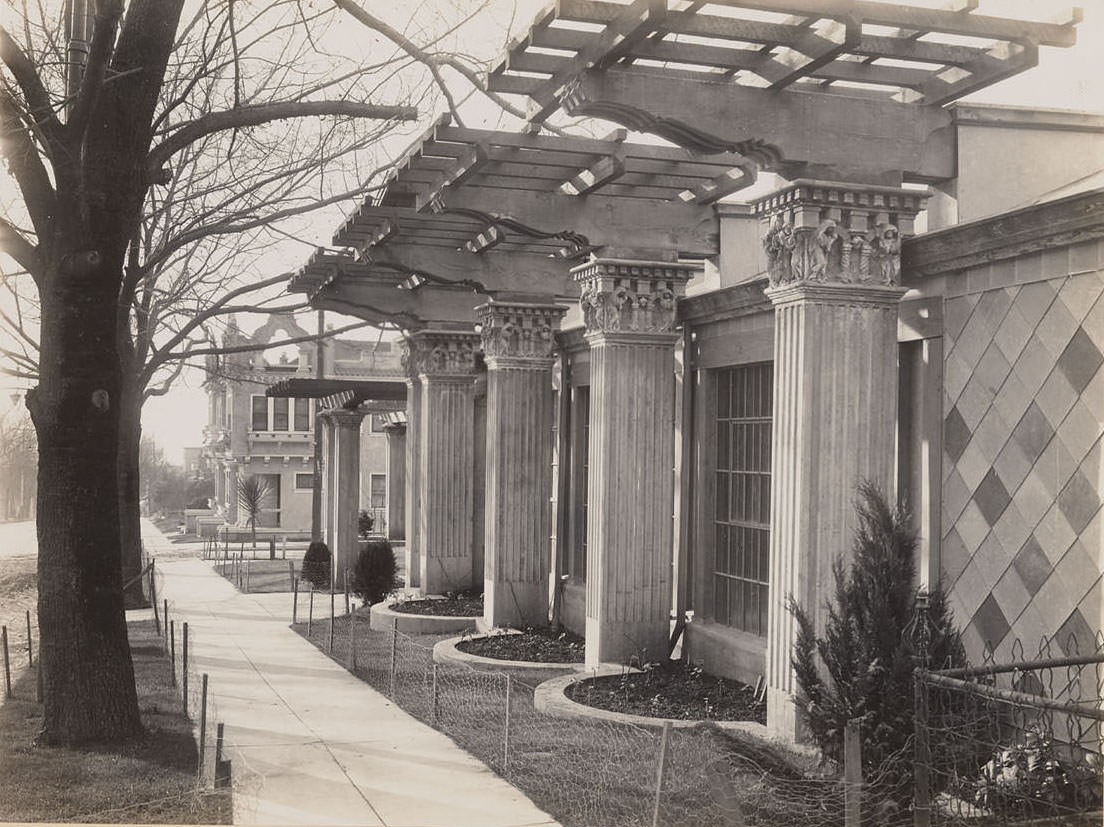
(88, 676)
(130, 515)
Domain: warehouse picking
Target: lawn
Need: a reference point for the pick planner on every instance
(150, 780)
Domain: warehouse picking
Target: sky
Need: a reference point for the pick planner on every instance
(1070, 78)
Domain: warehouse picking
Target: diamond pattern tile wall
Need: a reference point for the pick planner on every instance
(1022, 458)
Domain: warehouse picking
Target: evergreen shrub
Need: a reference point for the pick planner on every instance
(861, 670)
(376, 573)
(316, 565)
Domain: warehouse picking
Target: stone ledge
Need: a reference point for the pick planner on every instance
(381, 618)
(550, 699)
(445, 651)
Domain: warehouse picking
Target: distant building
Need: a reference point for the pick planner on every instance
(251, 434)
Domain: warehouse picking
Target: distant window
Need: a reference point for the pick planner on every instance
(259, 421)
(304, 482)
(378, 423)
(302, 414)
(379, 490)
(280, 414)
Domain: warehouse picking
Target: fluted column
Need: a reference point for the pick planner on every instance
(412, 463)
(834, 264)
(396, 480)
(444, 362)
(231, 492)
(329, 480)
(629, 312)
(346, 505)
(517, 345)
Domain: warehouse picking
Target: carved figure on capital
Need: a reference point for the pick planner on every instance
(621, 308)
(439, 354)
(828, 254)
(887, 254)
(519, 331)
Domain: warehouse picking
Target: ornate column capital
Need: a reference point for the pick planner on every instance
(440, 353)
(344, 417)
(824, 232)
(519, 333)
(627, 296)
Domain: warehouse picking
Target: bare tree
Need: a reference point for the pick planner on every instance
(85, 139)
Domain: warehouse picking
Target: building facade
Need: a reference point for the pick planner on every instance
(250, 434)
(632, 404)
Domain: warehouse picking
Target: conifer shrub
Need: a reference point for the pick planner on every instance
(862, 668)
(376, 573)
(316, 565)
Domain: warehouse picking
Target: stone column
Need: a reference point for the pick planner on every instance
(629, 312)
(347, 492)
(396, 480)
(232, 492)
(444, 362)
(412, 462)
(329, 463)
(517, 345)
(834, 264)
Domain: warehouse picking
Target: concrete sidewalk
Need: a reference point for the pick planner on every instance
(311, 744)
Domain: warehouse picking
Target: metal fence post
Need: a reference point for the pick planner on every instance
(294, 600)
(184, 667)
(172, 650)
(433, 699)
(222, 768)
(291, 572)
(921, 811)
(248, 574)
(310, 611)
(661, 771)
(394, 647)
(852, 775)
(7, 661)
(153, 599)
(346, 591)
(330, 636)
(506, 736)
(202, 726)
(352, 642)
(30, 650)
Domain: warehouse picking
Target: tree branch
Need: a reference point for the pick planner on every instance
(108, 14)
(25, 164)
(260, 346)
(34, 92)
(266, 113)
(23, 251)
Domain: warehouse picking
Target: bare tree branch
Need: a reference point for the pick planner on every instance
(19, 248)
(266, 113)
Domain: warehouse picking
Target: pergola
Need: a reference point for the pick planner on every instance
(846, 99)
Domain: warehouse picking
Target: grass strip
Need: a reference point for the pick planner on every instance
(150, 780)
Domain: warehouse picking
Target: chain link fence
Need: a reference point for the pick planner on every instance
(1012, 742)
(583, 771)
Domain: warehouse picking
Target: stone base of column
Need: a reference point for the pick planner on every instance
(515, 605)
(441, 574)
(635, 642)
(413, 567)
(784, 719)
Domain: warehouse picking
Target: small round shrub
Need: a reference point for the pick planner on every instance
(376, 572)
(316, 564)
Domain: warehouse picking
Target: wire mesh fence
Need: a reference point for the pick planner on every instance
(1005, 743)
(583, 771)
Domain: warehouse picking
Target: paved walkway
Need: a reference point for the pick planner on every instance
(311, 744)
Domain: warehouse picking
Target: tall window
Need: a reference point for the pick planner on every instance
(302, 414)
(259, 421)
(378, 490)
(742, 517)
(280, 414)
